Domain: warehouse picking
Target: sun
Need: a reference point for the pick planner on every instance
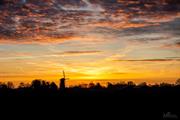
(93, 74)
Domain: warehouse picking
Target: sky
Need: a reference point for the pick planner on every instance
(91, 40)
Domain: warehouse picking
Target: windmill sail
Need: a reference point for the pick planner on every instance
(64, 75)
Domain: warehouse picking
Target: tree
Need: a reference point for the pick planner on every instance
(23, 85)
(143, 84)
(83, 86)
(131, 83)
(10, 85)
(3, 86)
(109, 85)
(36, 84)
(44, 84)
(178, 81)
(91, 85)
(98, 86)
(53, 86)
(165, 84)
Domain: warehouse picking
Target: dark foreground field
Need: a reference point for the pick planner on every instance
(127, 101)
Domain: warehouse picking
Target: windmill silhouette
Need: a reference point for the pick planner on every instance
(62, 81)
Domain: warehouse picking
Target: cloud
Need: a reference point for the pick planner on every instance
(178, 44)
(119, 73)
(51, 21)
(79, 53)
(87, 7)
(148, 60)
(175, 45)
(23, 1)
(6, 55)
(13, 54)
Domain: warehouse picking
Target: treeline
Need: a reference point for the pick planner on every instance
(42, 84)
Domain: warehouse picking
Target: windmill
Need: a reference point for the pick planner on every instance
(62, 81)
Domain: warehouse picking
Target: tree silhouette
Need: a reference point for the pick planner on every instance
(10, 85)
(91, 85)
(23, 85)
(165, 85)
(53, 86)
(36, 84)
(143, 84)
(178, 82)
(109, 85)
(3, 86)
(131, 83)
(42, 88)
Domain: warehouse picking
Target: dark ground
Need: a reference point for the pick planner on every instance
(112, 103)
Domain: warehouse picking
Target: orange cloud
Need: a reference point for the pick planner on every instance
(149, 60)
(49, 21)
(80, 52)
(169, 46)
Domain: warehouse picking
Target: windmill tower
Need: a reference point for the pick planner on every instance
(62, 81)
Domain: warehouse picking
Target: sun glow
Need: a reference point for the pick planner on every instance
(90, 40)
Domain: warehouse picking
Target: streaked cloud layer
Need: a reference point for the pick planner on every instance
(150, 60)
(90, 37)
(58, 20)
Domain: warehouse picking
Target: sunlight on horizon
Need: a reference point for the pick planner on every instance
(92, 39)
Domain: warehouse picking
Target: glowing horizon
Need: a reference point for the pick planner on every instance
(90, 39)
